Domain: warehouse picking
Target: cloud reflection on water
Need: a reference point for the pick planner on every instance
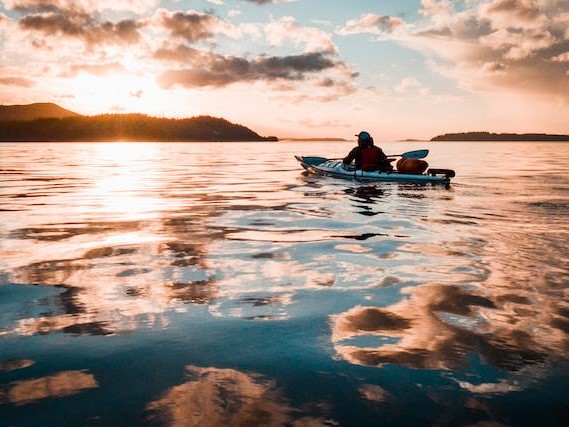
(61, 384)
(175, 235)
(438, 326)
(12, 365)
(216, 397)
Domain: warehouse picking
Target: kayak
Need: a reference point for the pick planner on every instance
(337, 169)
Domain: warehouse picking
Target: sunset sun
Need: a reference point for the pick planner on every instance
(115, 92)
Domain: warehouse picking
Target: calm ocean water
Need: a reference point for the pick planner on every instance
(217, 284)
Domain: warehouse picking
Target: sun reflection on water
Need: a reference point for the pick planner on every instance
(128, 182)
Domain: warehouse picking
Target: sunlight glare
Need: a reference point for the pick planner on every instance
(128, 185)
(116, 93)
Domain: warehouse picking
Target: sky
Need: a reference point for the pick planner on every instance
(297, 68)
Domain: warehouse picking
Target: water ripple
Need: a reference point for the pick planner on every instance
(203, 260)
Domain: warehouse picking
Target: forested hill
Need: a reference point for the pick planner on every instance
(126, 127)
(40, 110)
(488, 136)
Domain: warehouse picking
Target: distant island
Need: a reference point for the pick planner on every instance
(47, 122)
(488, 136)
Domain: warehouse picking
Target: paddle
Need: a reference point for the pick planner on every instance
(417, 154)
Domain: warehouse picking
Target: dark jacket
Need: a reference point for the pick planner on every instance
(369, 158)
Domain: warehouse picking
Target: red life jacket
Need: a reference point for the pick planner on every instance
(371, 158)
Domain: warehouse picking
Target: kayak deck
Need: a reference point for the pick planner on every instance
(336, 169)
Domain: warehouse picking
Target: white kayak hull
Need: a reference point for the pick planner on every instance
(336, 169)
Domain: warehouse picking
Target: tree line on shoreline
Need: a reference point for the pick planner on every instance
(126, 127)
(489, 136)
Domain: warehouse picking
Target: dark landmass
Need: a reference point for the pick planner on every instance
(488, 136)
(412, 140)
(45, 110)
(115, 127)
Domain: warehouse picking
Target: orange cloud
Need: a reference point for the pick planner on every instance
(287, 28)
(514, 37)
(514, 13)
(16, 81)
(372, 23)
(527, 40)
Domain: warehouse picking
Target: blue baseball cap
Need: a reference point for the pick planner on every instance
(363, 136)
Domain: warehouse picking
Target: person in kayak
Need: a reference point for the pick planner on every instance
(367, 156)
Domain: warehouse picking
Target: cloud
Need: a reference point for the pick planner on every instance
(494, 67)
(331, 77)
(188, 40)
(197, 67)
(80, 25)
(215, 70)
(505, 45)
(320, 89)
(98, 69)
(287, 28)
(16, 81)
(518, 45)
(180, 53)
(379, 25)
(514, 13)
(564, 57)
(191, 26)
(436, 8)
(410, 84)
(36, 6)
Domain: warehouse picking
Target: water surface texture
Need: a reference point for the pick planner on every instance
(218, 284)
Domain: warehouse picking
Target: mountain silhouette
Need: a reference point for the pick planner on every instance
(51, 123)
(40, 110)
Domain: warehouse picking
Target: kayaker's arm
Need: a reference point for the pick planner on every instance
(351, 156)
